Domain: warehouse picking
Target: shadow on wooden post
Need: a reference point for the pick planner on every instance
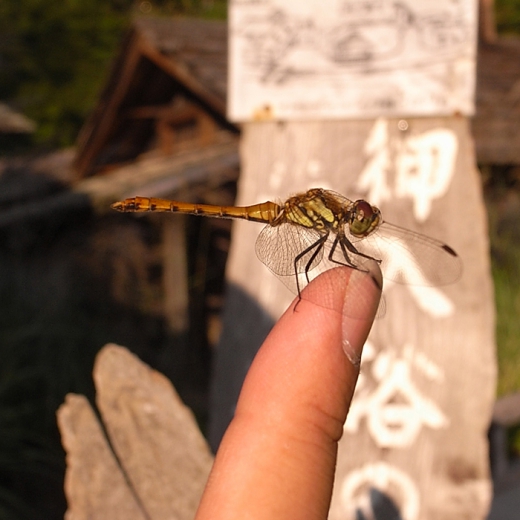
(152, 462)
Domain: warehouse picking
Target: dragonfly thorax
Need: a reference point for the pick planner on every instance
(315, 210)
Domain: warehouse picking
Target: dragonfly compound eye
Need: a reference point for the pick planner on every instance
(364, 219)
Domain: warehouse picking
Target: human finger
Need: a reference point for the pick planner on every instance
(278, 455)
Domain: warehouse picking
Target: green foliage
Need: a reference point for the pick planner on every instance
(513, 441)
(507, 301)
(216, 9)
(507, 16)
(503, 205)
(55, 55)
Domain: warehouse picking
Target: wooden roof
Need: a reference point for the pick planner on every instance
(159, 61)
(162, 58)
(12, 122)
(192, 172)
(496, 126)
(195, 52)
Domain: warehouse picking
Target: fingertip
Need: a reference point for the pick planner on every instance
(278, 457)
(360, 306)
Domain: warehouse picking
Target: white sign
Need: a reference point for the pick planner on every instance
(322, 59)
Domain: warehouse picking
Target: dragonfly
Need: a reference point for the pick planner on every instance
(320, 229)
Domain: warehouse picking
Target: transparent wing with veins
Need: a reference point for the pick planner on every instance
(278, 246)
(411, 258)
(404, 256)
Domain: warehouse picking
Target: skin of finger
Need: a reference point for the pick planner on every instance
(278, 456)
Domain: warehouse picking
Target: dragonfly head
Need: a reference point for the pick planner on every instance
(364, 219)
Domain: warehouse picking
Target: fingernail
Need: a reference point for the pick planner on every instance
(352, 354)
(359, 309)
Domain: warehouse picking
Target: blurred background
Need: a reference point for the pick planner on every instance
(89, 109)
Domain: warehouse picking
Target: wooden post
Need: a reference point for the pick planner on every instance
(487, 25)
(415, 439)
(425, 414)
(175, 275)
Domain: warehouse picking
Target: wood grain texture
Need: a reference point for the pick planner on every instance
(447, 360)
(164, 460)
(95, 487)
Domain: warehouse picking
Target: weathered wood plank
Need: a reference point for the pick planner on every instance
(164, 457)
(161, 176)
(95, 487)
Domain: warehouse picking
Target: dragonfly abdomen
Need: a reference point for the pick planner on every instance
(264, 212)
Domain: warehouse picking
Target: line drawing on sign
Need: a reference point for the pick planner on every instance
(359, 57)
(365, 37)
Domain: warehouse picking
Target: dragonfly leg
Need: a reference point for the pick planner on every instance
(345, 244)
(346, 256)
(346, 247)
(317, 246)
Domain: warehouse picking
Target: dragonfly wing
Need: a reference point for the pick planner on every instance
(278, 247)
(411, 258)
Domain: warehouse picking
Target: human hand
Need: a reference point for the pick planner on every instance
(278, 456)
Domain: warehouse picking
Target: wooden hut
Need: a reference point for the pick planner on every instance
(166, 93)
(496, 125)
(166, 96)
(159, 129)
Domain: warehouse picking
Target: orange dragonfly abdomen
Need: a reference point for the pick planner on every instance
(265, 212)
